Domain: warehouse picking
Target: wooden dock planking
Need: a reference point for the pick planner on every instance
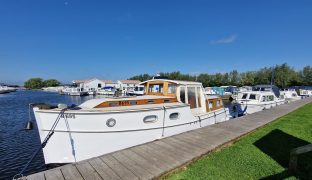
(70, 172)
(37, 176)
(87, 171)
(104, 171)
(54, 174)
(118, 167)
(153, 159)
(142, 162)
(140, 171)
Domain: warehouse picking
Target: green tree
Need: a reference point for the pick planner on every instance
(306, 75)
(34, 83)
(247, 78)
(51, 83)
(234, 78)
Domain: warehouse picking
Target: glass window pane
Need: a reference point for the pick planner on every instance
(172, 88)
(198, 96)
(156, 88)
(191, 97)
(182, 94)
(252, 96)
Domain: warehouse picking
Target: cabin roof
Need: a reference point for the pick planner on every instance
(173, 81)
(258, 92)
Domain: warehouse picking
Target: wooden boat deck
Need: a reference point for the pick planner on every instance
(151, 160)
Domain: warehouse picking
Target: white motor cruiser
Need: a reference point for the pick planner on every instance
(290, 94)
(138, 90)
(260, 98)
(101, 126)
(75, 91)
(107, 90)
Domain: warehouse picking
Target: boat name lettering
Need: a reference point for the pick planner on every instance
(68, 115)
(124, 103)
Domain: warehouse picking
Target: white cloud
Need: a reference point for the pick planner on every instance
(226, 40)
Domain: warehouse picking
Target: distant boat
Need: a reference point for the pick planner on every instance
(101, 126)
(261, 97)
(107, 90)
(6, 89)
(209, 91)
(75, 91)
(290, 94)
(137, 91)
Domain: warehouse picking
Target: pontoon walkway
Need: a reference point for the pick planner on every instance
(156, 158)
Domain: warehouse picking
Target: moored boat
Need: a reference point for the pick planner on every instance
(107, 90)
(101, 126)
(138, 90)
(261, 97)
(290, 94)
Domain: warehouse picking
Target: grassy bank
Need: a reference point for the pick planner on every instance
(264, 154)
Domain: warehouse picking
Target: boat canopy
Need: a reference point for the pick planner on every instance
(272, 88)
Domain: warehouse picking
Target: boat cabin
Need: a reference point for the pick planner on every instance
(158, 92)
(257, 96)
(191, 93)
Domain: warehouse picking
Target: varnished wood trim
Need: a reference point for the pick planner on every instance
(136, 102)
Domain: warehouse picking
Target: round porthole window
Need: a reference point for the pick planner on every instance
(111, 122)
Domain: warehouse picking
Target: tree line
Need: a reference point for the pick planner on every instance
(281, 75)
(38, 83)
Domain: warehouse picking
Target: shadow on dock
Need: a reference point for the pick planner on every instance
(278, 144)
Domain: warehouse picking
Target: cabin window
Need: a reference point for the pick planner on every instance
(150, 119)
(174, 116)
(270, 98)
(182, 94)
(156, 88)
(133, 103)
(263, 99)
(252, 96)
(244, 96)
(198, 96)
(191, 97)
(172, 88)
(166, 101)
(99, 85)
(218, 103)
(210, 104)
(150, 102)
(113, 104)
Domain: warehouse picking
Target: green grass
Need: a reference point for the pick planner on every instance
(263, 154)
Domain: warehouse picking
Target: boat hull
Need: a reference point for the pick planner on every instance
(256, 107)
(82, 135)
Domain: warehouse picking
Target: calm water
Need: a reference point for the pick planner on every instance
(16, 144)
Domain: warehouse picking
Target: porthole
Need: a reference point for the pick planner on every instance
(111, 122)
(174, 116)
(150, 119)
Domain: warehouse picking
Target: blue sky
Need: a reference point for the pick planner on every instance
(79, 39)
